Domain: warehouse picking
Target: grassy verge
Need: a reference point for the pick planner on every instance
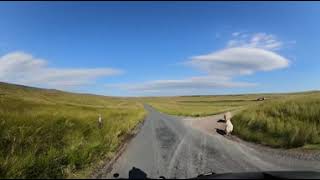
(53, 134)
(293, 121)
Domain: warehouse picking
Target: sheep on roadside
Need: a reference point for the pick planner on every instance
(229, 126)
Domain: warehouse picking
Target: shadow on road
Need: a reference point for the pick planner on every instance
(221, 121)
(220, 131)
(136, 173)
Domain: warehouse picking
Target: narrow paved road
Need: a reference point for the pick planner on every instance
(172, 147)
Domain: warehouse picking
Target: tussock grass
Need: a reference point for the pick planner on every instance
(293, 121)
(54, 134)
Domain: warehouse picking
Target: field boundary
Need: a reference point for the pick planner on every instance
(107, 167)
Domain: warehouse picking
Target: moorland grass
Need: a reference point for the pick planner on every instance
(290, 122)
(54, 134)
(196, 106)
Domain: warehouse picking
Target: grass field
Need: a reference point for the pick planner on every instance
(292, 121)
(54, 134)
(203, 105)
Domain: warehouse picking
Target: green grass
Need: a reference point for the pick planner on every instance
(312, 146)
(202, 105)
(54, 134)
(293, 121)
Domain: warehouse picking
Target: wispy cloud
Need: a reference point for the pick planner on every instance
(244, 55)
(235, 34)
(256, 40)
(23, 68)
(193, 83)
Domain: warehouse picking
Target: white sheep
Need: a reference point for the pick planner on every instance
(229, 126)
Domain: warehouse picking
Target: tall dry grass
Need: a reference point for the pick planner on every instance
(289, 122)
(53, 134)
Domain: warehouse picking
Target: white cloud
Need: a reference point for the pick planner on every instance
(193, 83)
(238, 61)
(23, 68)
(221, 67)
(244, 55)
(235, 34)
(256, 40)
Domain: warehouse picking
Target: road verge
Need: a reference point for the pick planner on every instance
(106, 167)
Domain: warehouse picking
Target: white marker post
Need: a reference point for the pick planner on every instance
(100, 121)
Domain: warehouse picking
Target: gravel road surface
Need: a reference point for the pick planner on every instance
(177, 147)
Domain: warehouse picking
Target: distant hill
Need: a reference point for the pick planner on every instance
(55, 96)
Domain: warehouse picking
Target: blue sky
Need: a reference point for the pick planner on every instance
(161, 48)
